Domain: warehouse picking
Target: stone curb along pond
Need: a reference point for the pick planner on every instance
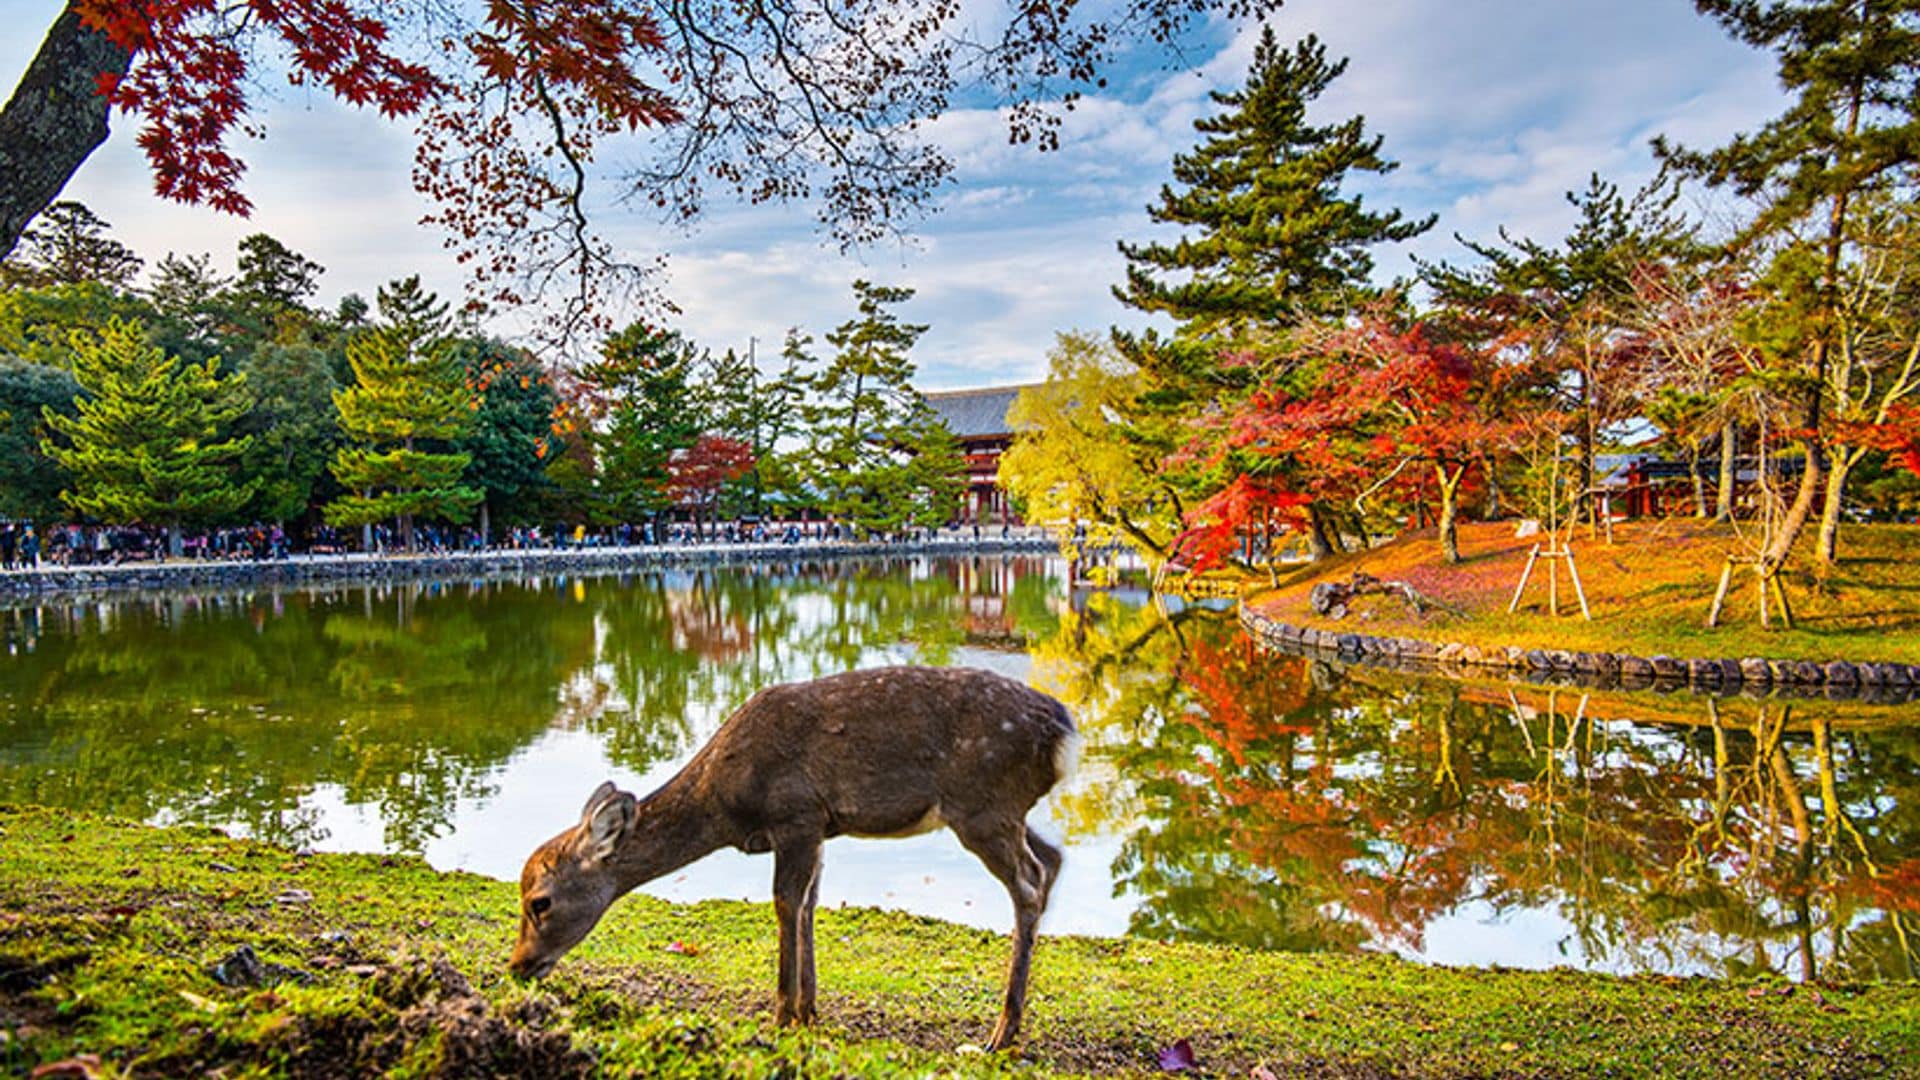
(360, 569)
(1887, 683)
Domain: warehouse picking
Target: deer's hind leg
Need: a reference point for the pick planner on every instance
(796, 886)
(1008, 850)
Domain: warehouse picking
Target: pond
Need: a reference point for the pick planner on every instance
(1225, 793)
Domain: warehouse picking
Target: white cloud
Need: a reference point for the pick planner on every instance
(1495, 108)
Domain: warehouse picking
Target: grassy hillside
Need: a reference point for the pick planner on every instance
(110, 933)
(1649, 591)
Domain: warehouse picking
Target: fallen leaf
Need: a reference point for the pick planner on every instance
(1178, 1058)
(683, 948)
(1261, 1072)
(1509, 1047)
(198, 1002)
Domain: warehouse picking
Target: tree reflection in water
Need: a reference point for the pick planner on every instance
(1283, 804)
(1241, 796)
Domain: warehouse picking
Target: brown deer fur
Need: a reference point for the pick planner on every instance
(888, 752)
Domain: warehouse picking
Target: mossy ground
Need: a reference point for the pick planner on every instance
(109, 931)
(1649, 591)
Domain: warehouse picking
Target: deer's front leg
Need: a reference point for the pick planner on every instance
(796, 878)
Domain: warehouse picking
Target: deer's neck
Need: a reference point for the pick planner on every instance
(672, 827)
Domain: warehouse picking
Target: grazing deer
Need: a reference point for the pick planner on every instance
(890, 752)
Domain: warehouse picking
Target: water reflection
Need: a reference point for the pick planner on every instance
(1285, 804)
(1226, 794)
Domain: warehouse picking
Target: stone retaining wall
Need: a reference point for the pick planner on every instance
(358, 569)
(1753, 676)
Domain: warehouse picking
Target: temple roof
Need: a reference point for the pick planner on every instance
(975, 414)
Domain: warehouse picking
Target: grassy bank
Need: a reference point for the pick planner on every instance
(110, 934)
(1649, 591)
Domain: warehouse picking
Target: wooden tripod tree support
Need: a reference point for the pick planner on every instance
(1554, 552)
(1764, 581)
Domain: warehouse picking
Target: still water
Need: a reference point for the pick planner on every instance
(1225, 794)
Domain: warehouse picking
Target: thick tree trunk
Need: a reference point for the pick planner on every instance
(1729, 451)
(1321, 541)
(55, 118)
(1828, 548)
(1798, 514)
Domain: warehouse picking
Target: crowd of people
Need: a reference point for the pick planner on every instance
(24, 548)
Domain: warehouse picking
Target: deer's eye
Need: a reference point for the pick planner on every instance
(538, 905)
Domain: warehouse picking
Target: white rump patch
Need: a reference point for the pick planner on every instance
(1066, 757)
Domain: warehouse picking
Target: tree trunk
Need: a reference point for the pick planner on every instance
(1321, 542)
(1699, 482)
(1729, 450)
(486, 526)
(54, 120)
(1449, 512)
(1828, 548)
(1798, 514)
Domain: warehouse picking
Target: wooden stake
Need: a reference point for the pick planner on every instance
(1720, 594)
(1524, 575)
(1574, 573)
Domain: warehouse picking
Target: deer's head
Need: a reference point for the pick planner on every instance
(568, 883)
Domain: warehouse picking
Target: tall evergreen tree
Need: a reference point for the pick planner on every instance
(1271, 234)
(30, 480)
(1852, 68)
(512, 439)
(293, 427)
(146, 443)
(1270, 237)
(642, 385)
(67, 245)
(881, 459)
(409, 402)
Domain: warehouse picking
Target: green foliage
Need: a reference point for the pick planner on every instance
(147, 442)
(1274, 235)
(38, 324)
(880, 458)
(512, 439)
(268, 296)
(293, 427)
(643, 384)
(1071, 464)
(190, 306)
(408, 403)
(68, 245)
(31, 480)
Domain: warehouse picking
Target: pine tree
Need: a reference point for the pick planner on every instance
(1273, 235)
(1853, 69)
(67, 244)
(642, 384)
(1270, 239)
(881, 459)
(145, 442)
(409, 400)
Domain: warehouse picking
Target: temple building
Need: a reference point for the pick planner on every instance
(978, 419)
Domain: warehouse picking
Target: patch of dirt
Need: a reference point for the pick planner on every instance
(430, 1002)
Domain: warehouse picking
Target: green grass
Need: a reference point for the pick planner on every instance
(1649, 591)
(108, 931)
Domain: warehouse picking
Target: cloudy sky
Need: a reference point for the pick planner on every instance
(1494, 108)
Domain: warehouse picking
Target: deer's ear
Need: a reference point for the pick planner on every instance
(606, 820)
(594, 800)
